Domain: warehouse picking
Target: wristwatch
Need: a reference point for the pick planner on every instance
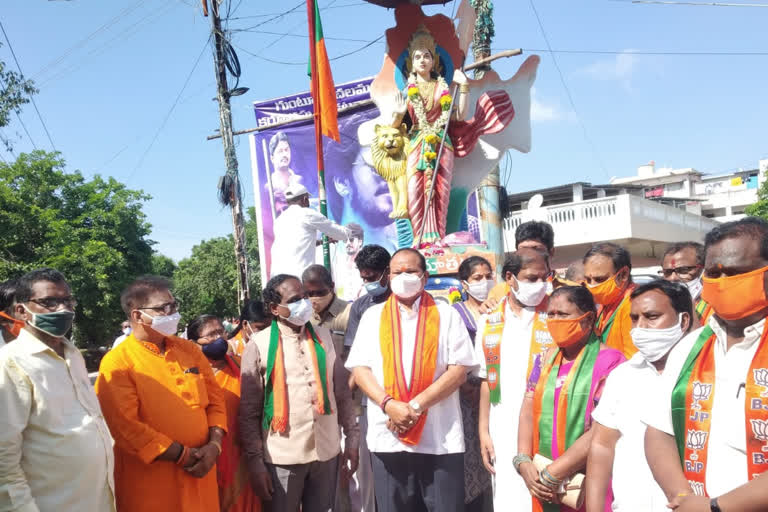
(713, 505)
(413, 404)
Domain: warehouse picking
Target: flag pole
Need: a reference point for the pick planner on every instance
(318, 127)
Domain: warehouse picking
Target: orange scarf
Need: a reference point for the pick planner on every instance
(692, 400)
(276, 415)
(424, 356)
(613, 325)
(492, 334)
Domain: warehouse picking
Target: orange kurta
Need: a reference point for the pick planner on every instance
(235, 492)
(618, 333)
(150, 400)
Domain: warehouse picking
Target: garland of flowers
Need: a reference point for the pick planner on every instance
(431, 130)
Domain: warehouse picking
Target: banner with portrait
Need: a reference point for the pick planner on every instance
(356, 193)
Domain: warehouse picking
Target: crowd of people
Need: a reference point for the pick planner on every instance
(538, 391)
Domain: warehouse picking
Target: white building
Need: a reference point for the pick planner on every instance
(583, 215)
(722, 197)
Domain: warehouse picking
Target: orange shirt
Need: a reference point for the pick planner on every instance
(150, 400)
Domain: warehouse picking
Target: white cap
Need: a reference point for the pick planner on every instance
(295, 190)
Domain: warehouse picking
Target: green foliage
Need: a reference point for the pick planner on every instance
(15, 91)
(760, 208)
(162, 265)
(93, 231)
(206, 282)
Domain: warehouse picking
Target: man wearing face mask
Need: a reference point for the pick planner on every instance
(294, 397)
(409, 357)
(661, 315)
(684, 263)
(125, 328)
(55, 447)
(329, 311)
(163, 406)
(293, 249)
(373, 264)
(10, 326)
(607, 274)
(710, 409)
(508, 341)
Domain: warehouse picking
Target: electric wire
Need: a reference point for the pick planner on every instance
(568, 91)
(653, 53)
(304, 63)
(31, 97)
(21, 121)
(170, 111)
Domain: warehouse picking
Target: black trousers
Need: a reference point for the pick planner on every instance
(416, 482)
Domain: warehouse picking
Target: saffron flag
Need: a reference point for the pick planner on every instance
(324, 92)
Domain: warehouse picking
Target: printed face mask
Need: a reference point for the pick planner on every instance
(480, 289)
(736, 297)
(654, 344)
(301, 312)
(56, 324)
(407, 286)
(530, 294)
(567, 331)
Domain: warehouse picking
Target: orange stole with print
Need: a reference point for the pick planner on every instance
(492, 335)
(696, 386)
(424, 356)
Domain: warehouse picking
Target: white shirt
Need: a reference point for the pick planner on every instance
(119, 340)
(293, 249)
(443, 433)
(504, 417)
(727, 446)
(55, 447)
(620, 408)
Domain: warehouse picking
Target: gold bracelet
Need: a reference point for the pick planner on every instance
(464, 89)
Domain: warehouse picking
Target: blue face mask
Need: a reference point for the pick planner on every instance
(216, 350)
(375, 288)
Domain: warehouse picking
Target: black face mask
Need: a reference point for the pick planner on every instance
(216, 350)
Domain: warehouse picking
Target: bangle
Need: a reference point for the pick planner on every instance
(217, 445)
(384, 403)
(549, 480)
(519, 459)
(183, 457)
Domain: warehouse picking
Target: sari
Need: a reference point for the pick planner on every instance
(235, 491)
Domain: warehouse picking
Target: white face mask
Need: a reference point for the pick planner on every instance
(479, 290)
(165, 325)
(694, 287)
(654, 344)
(301, 312)
(406, 286)
(530, 294)
(127, 331)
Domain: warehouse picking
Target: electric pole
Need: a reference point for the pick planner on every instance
(229, 185)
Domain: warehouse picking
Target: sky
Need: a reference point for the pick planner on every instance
(127, 88)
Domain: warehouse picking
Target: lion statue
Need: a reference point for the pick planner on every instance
(388, 152)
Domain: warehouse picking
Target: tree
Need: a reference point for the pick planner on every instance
(760, 208)
(206, 282)
(15, 91)
(162, 265)
(93, 231)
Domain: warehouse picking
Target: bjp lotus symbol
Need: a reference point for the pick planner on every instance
(760, 430)
(761, 379)
(696, 440)
(701, 391)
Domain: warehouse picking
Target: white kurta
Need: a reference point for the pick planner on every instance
(620, 408)
(509, 488)
(293, 249)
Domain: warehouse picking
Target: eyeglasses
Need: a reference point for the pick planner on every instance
(218, 333)
(54, 302)
(686, 271)
(167, 309)
(318, 293)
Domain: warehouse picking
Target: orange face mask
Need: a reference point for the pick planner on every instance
(736, 297)
(567, 331)
(15, 327)
(607, 292)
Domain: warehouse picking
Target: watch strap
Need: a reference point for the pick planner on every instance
(714, 506)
